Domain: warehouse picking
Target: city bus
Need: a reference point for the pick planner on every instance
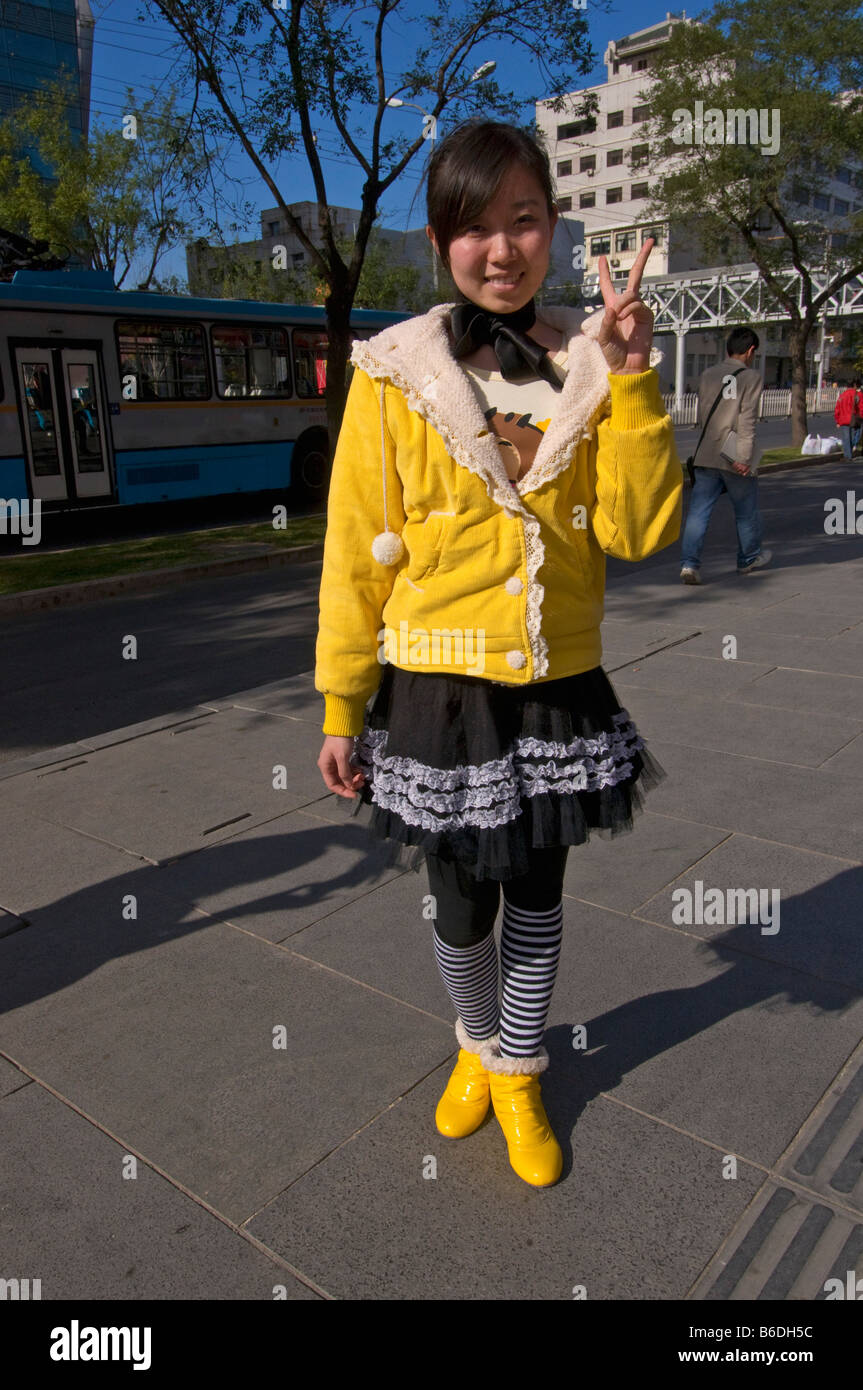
(111, 398)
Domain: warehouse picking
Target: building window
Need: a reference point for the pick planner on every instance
(166, 359)
(587, 161)
(840, 206)
(615, 119)
(640, 113)
(843, 174)
(564, 168)
(573, 128)
(614, 195)
(600, 245)
(251, 361)
(640, 155)
(564, 205)
(639, 65)
(272, 229)
(624, 241)
(639, 190)
(800, 194)
(613, 157)
(655, 232)
(587, 200)
(822, 202)
(615, 68)
(298, 257)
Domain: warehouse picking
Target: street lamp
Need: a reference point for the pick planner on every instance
(482, 71)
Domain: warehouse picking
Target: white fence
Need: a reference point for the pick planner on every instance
(773, 404)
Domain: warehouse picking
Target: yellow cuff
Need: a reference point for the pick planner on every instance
(344, 716)
(635, 400)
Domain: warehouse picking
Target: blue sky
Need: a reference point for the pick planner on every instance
(128, 52)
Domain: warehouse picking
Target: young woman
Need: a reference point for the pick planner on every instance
(489, 458)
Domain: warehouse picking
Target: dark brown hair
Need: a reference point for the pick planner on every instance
(468, 167)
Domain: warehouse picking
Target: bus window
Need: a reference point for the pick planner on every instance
(162, 361)
(251, 361)
(310, 362)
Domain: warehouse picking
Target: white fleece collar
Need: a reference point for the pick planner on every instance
(417, 358)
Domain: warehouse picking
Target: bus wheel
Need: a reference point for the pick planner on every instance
(310, 467)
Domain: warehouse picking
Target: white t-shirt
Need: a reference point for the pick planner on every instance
(518, 412)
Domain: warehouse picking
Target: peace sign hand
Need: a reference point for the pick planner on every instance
(627, 327)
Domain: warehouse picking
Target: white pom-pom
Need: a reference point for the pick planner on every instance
(388, 547)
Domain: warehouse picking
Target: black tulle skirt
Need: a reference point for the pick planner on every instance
(483, 771)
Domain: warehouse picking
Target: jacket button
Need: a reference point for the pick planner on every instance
(513, 585)
(516, 660)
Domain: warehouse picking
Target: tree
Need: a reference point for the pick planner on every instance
(272, 69)
(788, 73)
(121, 199)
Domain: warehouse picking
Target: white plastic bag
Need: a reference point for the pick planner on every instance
(828, 446)
(811, 444)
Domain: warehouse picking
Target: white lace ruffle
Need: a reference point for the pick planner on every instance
(489, 795)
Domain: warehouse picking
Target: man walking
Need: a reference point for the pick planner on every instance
(849, 417)
(725, 461)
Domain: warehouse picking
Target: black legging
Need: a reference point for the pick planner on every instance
(467, 908)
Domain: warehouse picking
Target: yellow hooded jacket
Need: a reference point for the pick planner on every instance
(500, 582)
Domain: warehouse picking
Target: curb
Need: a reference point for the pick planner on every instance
(88, 590)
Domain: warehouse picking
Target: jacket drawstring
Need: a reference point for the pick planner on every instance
(388, 546)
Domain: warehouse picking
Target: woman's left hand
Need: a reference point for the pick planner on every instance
(627, 327)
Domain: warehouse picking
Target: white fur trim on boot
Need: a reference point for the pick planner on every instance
(511, 1066)
(472, 1044)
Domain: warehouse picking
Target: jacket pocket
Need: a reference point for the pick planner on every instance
(426, 545)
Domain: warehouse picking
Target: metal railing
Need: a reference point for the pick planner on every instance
(773, 404)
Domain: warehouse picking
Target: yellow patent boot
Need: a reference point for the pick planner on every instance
(534, 1152)
(464, 1104)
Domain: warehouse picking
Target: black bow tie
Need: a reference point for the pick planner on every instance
(519, 356)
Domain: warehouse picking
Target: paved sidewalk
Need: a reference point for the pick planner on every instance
(206, 976)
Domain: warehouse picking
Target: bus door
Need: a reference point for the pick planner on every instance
(61, 393)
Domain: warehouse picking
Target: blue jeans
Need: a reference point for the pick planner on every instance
(850, 439)
(710, 483)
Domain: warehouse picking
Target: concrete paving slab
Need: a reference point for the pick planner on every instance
(179, 789)
(70, 1217)
(815, 809)
(294, 698)
(620, 1228)
(716, 1042)
(277, 879)
(806, 692)
(834, 655)
(774, 734)
(44, 864)
(172, 1047)
(11, 1078)
(191, 714)
(13, 767)
(697, 675)
(803, 909)
(383, 940)
(848, 760)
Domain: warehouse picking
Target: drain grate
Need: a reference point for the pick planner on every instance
(791, 1242)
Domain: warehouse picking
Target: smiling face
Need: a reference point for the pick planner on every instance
(500, 260)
